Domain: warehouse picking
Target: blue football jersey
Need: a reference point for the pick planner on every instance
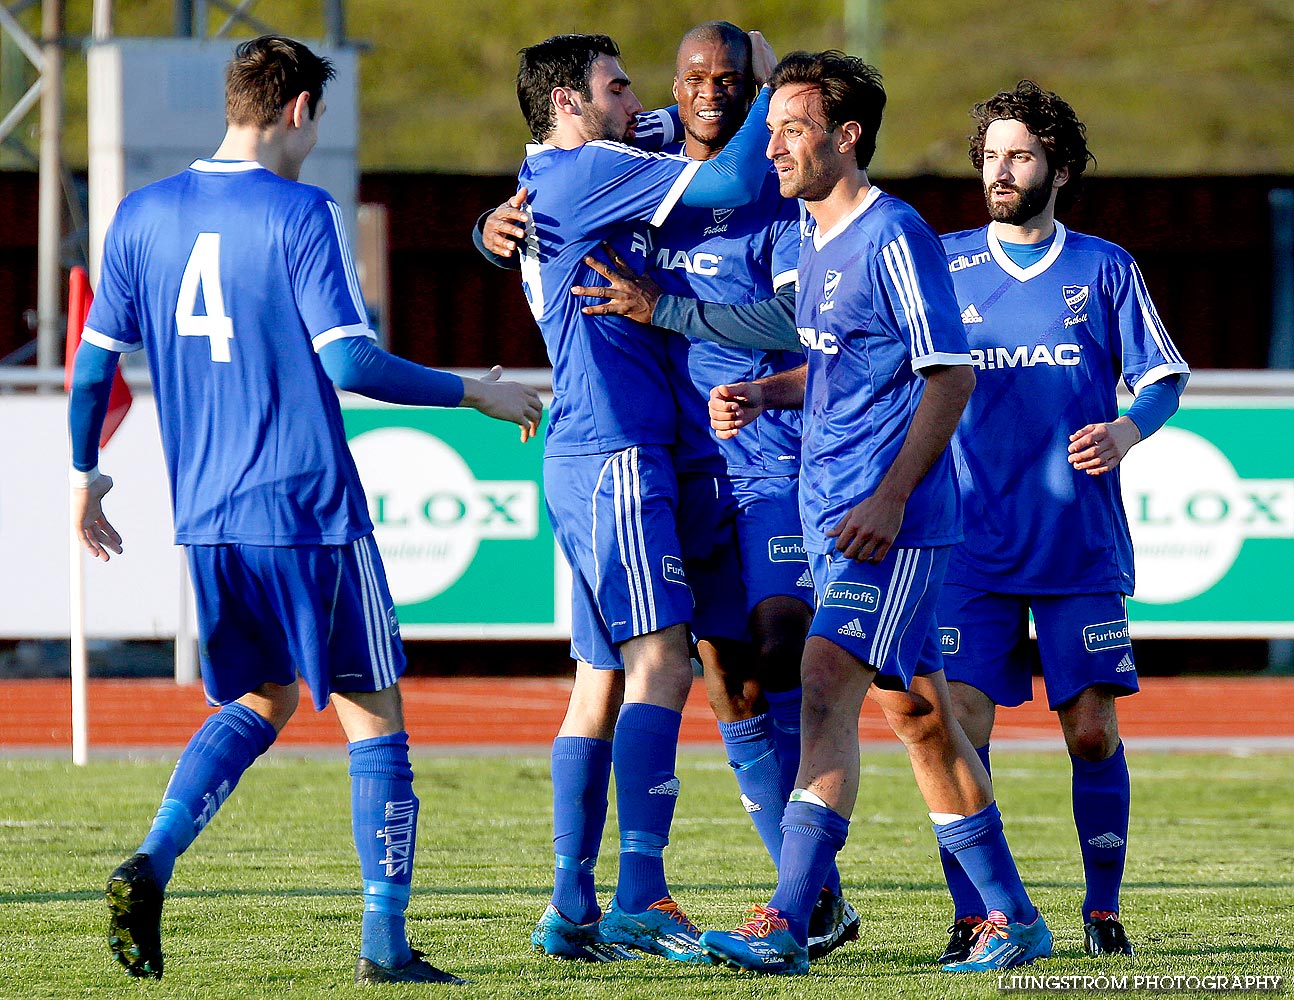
(874, 307)
(610, 387)
(733, 257)
(1049, 343)
(230, 278)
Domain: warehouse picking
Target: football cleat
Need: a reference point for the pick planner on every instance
(1000, 945)
(961, 939)
(762, 944)
(561, 938)
(416, 970)
(135, 917)
(662, 929)
(1104, 935)
(831, 923)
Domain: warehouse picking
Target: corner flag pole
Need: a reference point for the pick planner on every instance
(78, 308)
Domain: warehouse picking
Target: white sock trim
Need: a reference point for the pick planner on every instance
(804, 795)
(943, 819)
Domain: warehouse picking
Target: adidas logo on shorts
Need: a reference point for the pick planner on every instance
(1126, 666)
(665, 788)
(853, 629)
(1107, 840)
(750, 805)
(805, 580)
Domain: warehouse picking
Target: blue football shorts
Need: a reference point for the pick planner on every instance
(772, 543)
(614, 518)
(268, 613)
(882, 613)
(1083, 641)
(707, 529)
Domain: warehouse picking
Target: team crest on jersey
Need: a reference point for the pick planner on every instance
(1075, 297)
(831, 284)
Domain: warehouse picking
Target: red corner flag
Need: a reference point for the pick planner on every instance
(79, 298)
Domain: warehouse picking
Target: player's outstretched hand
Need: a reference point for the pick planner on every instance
(628, 294)
(762, 58)
(734, 406)
(869, 529)
(1098, 448)
(511, 401)
(92, 529)
(505, 227)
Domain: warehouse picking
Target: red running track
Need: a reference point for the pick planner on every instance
(481, 712)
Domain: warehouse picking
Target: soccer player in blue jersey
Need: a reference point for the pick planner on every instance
(610, 485)
(1054, 320)
(887, 378)
(238, 284)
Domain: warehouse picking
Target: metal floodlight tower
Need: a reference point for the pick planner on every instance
(47, 57)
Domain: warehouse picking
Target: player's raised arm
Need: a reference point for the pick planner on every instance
(356, 364)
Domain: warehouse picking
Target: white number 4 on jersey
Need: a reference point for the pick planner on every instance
(203, 272)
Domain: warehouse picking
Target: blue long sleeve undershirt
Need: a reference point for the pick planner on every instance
(735, 176)
(91, 388)
(1155, 404)
(354, 364)
(357, 364)
(767, 325)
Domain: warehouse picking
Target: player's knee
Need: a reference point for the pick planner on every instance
(1092, 743)
(914, 727)
(779, 660)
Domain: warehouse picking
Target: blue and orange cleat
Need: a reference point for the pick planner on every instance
(662, 929)
(1001, 945)
(763, 943)
(558, 937)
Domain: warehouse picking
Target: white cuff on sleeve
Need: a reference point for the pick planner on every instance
(82, 480)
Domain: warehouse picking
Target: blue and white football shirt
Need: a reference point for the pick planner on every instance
(1049, 343)
(874, 307)
(231, 277)
(610, 388)
(733, 257)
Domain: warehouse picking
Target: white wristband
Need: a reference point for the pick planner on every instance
(82, 480)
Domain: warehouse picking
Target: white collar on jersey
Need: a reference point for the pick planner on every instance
(1034, 269)
(225, 166)
(821, 239)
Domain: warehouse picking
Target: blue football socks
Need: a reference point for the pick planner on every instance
(207, 772)
(1101, 801)
(384, 819)
(752, 754)
(643, 753)
(784, 712)
(979, 844)
(812, 836)
(966, 901)
(581, 769)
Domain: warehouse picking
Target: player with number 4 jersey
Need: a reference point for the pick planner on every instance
(238, 284)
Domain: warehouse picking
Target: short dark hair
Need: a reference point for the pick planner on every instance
(723, 33)
(269, 73)
(1051, 119)
(560, 61)
(851, 92)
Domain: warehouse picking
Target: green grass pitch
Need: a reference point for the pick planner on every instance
(266, 903)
